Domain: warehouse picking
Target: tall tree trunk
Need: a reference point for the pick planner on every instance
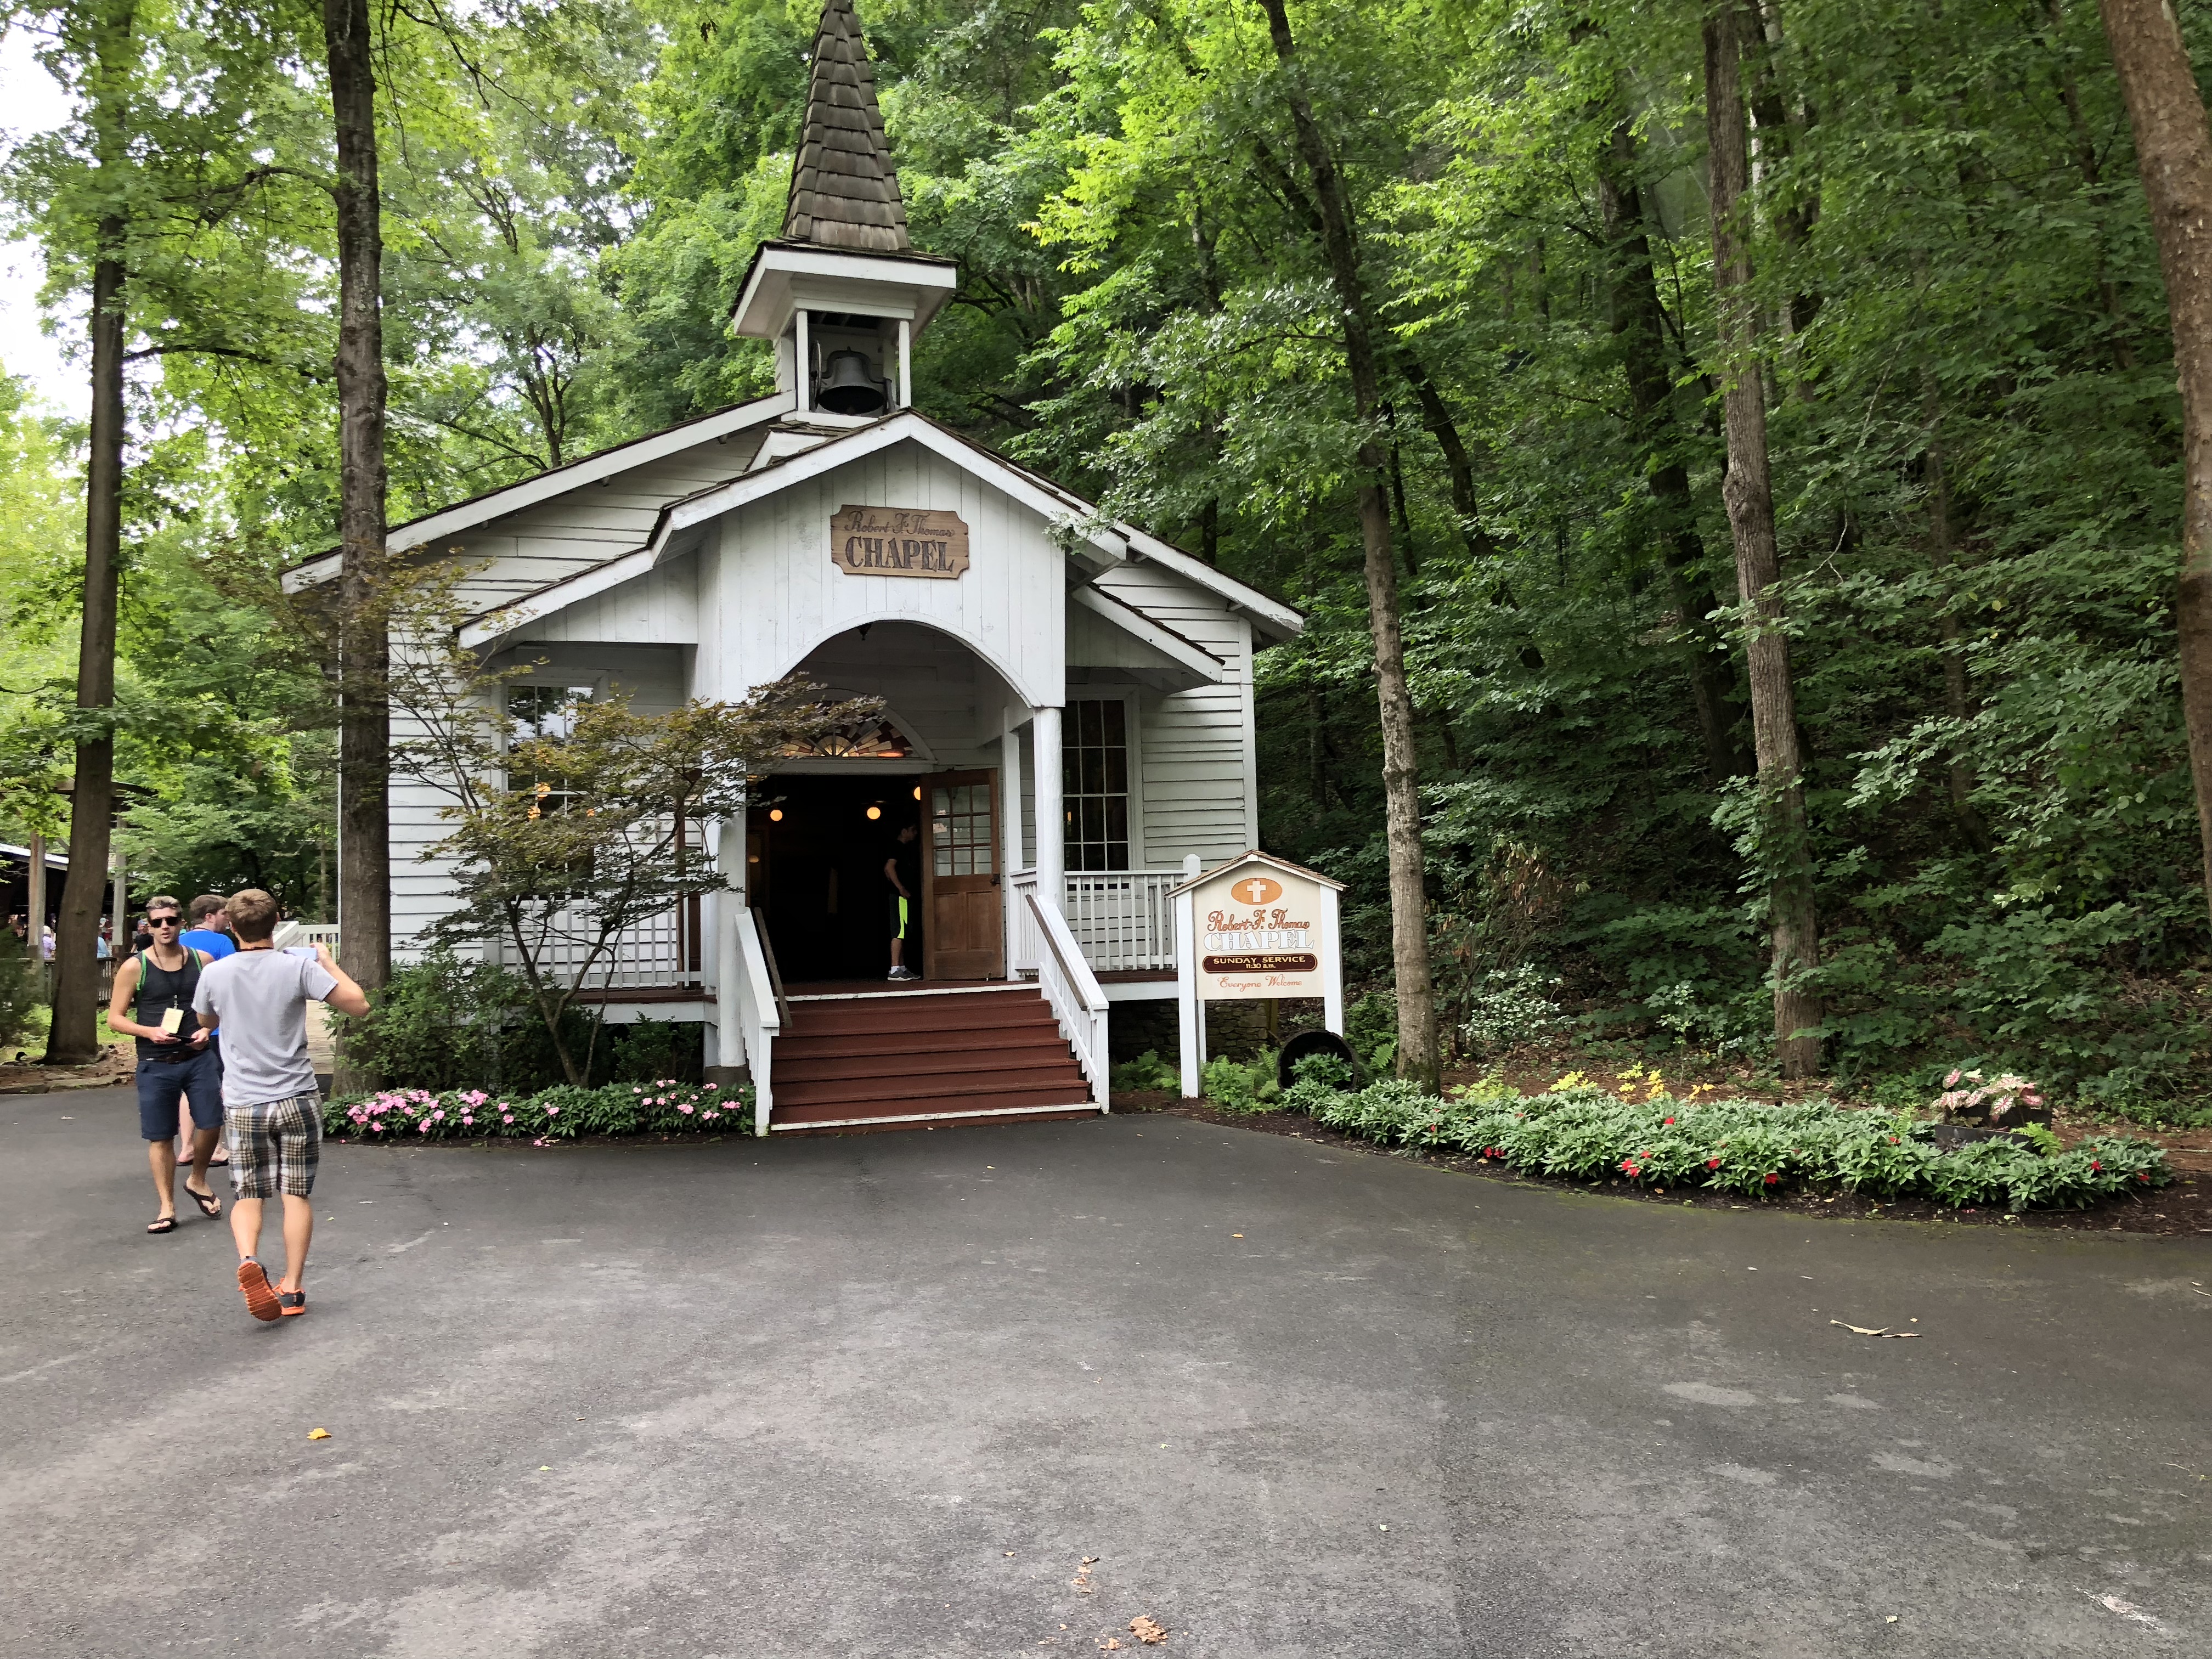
(1637, 323)
(365, 728)
(1409, 922)
(2173, 148)
(1748, 491)
(73, 1038)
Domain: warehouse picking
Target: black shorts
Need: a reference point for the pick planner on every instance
(901, 915)
(162, 1082)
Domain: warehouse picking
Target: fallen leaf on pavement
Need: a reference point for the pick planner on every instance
(1861, 1330)
(1110, 1643)
(1147, 1631)
(318, 1434)
(2127, 1610)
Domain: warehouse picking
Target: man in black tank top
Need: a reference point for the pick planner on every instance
(152, 1001)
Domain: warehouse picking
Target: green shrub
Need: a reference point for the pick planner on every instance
(1371, 1026)
(1146, 1075)
(1240, 1086)
(663, 1106)
(1331, 1070)
(1581, 1133)
(20, 989)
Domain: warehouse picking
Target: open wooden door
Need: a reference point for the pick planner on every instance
(965, 935)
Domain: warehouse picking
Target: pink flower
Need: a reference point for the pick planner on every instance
(710, 1116)
(683, 1109)
(714, 1085)
(424, 1126)
(552, 1111)
(510, 1118)
(465, 1118)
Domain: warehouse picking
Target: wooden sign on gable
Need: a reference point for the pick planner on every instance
(899, 541)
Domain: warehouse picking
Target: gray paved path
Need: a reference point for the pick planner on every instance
(884, 1394)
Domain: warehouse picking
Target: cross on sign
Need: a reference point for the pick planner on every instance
(1258, 890)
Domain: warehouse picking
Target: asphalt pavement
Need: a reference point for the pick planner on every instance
(892, 1393)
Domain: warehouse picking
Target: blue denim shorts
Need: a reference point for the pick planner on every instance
(162, 1082)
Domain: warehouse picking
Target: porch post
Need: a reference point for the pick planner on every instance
(1051, 815)
(1010, 822)
(730, 859)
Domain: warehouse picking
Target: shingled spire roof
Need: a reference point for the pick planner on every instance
(844, 192)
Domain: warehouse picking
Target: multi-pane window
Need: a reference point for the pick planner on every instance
(545, 712)
(960, 829)
(1095, 784)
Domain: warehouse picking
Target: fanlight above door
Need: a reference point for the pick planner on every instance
(875, 739)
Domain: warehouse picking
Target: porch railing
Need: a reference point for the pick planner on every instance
(1069, 987)
(1121, 920)
(652, 953)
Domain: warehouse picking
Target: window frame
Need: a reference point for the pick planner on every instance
(1132, 794)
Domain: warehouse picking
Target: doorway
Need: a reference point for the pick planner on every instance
(816, 848)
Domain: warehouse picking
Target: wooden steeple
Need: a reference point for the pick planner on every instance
(844, 192)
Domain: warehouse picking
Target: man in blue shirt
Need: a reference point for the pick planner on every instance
(207, 931)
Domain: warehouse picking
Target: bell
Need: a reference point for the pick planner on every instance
(849, 386)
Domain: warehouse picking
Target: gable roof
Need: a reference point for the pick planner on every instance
(541, 487)
(1255, 856)
(1112, 542)
(844, 192)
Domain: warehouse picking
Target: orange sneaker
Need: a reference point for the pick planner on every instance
(291, 1303)
(260, 1296)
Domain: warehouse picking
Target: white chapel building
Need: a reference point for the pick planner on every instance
(1068, 699)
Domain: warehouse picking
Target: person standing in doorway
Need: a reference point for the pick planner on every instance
(153, 1002)
(272, 1110)
(902, 878)
(210, 934)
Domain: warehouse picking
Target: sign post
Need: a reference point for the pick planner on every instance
(1254, 928)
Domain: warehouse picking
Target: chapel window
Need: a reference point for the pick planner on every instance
(1095, 784)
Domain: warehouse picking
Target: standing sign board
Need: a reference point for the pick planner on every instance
(1255, 927)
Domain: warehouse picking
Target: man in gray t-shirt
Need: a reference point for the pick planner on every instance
(272, 1108)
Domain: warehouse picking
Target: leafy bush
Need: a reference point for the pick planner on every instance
(664, 1106)
(1240, 1086)
(1146, 1075)
(20, 989)
(1509, 1008)
(1331, 1070)
(1371, 1026)
(1578, 1132)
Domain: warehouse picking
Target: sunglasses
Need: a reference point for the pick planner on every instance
(162, 921)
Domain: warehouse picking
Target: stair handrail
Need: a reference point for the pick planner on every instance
(760, 1009)
(774, 973)
(1077, 1000)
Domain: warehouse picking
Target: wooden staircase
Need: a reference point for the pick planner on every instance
(910, 1060)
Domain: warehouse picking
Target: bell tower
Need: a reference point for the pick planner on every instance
(843, 292)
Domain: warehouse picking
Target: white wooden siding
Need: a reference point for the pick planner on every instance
(1196, 746)
(778, 596)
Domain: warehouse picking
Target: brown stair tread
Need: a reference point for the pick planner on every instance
(803, 1068)
(1064, 1099)
(949, 1086)
(803, 1040)
(864, 1018)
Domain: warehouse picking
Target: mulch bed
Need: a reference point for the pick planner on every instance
(2184, 1207)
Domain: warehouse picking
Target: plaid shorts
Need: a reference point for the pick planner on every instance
(274, 1145)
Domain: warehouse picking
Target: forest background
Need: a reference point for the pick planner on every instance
(1974, 425)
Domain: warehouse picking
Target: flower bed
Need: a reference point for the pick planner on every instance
(559, 1113)
(1583, 1134)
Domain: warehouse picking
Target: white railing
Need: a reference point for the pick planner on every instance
(306, 932)
(1120, 919)
(760, 1019)
(651, 953)
(1071, 990)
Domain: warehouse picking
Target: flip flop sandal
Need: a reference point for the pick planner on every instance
(210, 1206)
(292, 1303)
(166, 1224)
(260, 1296)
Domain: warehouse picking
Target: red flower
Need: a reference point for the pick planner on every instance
(1670, 1120)
(1712, 1163)
(1771, 1179)
(1892, 1140)
(2142, 1174)
(2094, 1164)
